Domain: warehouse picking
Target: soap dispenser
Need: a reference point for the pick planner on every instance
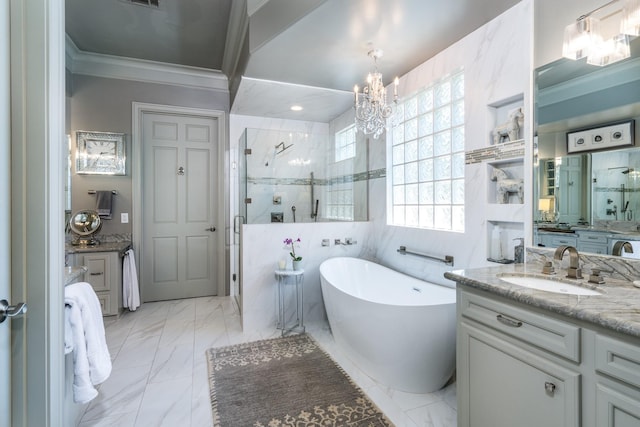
(518, 251)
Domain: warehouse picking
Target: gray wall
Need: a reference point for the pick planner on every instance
(104, 105)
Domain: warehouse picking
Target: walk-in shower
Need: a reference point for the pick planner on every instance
(293, 177)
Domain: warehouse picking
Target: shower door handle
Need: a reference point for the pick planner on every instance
(242, 221)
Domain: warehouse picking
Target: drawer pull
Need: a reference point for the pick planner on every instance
(508, 321)
(550, 388)
(97, 274)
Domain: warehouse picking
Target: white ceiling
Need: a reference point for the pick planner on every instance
(309, 52)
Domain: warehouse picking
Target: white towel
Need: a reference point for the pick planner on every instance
(130, 290)
(91, 359)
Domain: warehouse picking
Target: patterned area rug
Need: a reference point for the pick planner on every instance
(283, 382)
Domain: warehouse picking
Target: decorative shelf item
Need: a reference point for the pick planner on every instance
(506, 186)
(509, 130)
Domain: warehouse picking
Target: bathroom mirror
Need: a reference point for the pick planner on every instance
(594, 188)
(85, 224)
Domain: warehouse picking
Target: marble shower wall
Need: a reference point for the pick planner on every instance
(283, 172)
(607, 183)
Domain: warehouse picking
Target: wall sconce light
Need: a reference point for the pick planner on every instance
(580, 36)
(584, 39)
(631, 18)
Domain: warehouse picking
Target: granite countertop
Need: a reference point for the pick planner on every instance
(614, 233)
(618, 308)
(102, 247)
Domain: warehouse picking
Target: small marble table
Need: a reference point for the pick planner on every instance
(297, 277)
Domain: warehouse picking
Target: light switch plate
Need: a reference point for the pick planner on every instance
(124, 217)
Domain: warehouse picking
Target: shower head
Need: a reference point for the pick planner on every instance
(282, 147)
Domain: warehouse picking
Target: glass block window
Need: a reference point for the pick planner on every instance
(345, 143)
(340, 205)
(427, 160)
(339, 190)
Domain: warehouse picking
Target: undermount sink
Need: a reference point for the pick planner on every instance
(548, 285)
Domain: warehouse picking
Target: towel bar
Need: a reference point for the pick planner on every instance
(448, 259)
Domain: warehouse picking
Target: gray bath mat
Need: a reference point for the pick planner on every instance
(287, 381)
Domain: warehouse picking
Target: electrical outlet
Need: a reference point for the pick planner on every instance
(124, 218)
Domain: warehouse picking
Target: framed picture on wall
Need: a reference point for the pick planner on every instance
(100, 153)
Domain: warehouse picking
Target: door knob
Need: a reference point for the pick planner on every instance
(7, 310)
(212, 229)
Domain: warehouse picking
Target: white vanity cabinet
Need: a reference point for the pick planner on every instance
(104, 273)
(501, 381)
(618, 400)
(523, 366)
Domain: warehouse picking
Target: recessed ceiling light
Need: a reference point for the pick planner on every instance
(296, 108)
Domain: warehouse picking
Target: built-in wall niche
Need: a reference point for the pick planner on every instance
(502, 238)
(506, 120)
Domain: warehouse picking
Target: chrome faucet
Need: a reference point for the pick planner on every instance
(619, 246)
(574, 271)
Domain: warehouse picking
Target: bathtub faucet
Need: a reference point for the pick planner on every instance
(347, 242)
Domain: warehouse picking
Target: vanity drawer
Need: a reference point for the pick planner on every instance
(618, 359)
(555, 336)
(563, 240)
(105, 302)
(593, 237)
(98, 271)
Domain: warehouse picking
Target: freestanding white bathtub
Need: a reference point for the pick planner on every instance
(401, 331)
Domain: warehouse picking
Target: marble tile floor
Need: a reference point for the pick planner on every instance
(159, 375)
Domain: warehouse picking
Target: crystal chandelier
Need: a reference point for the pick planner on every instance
(372, 110)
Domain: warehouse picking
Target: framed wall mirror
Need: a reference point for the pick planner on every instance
(597, 189)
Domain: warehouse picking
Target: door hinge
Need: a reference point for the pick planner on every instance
(247, 200)
(247, 151)
(233, 277)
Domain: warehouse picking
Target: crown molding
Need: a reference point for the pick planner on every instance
(115, 67)
(236, 35)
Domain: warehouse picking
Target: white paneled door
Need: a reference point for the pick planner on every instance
(179, 197)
